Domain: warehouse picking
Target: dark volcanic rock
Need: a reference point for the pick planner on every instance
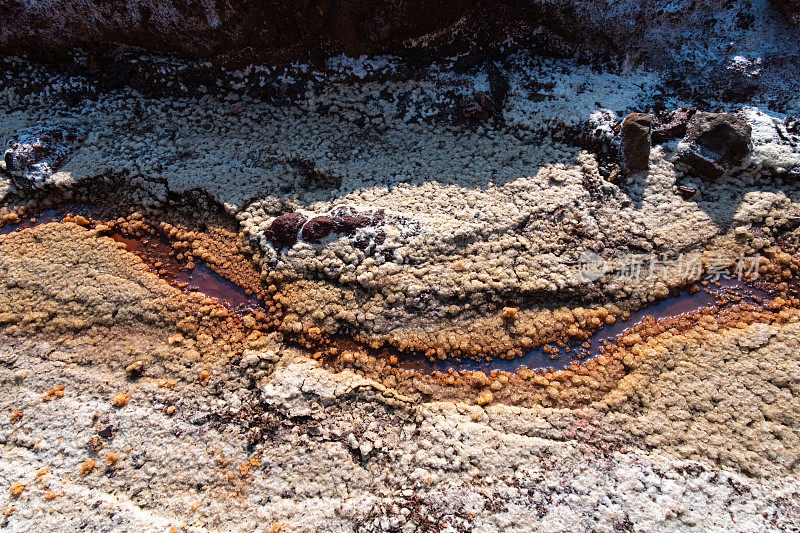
(687, 193)
(232, 32)
(243, 32)
(634, 142)
(32, 158)
(237, 34)
(714, 143)
(737, 79)
(481, 108)
(498, 85)
(284, 229)
(790, 8)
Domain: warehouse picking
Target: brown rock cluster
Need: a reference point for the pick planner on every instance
(284, 231)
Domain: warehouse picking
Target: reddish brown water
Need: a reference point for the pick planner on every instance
(717, 293)
(155, 251)
(200, 278)
(159, 255)
(51, 215)
(203, 279)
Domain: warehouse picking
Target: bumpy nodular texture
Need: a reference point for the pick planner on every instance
(384, 218)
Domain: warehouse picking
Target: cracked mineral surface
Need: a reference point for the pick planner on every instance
(349, 267)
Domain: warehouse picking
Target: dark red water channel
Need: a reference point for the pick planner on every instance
(199, 277)
(203, 279)
(716, 293)
(50, 215)
(157, 251)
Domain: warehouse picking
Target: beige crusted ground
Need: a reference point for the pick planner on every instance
(701, 433)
